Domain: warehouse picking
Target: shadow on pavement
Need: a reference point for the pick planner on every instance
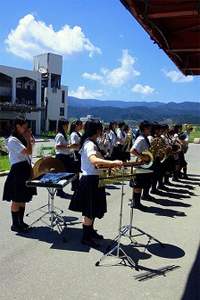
(192, 289)
(165, 212)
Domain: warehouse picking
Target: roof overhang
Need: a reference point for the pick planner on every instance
(175, 26)
(22, 108)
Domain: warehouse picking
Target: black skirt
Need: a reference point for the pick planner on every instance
(89, 198)
(77, 162)
(67, 161)
(15, 188)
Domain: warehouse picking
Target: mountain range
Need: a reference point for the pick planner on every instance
(185, 112)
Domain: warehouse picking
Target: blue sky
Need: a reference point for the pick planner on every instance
(107, 55)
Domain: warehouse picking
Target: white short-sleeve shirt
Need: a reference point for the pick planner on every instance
(140, 144)
(75, 138)
(113, 138)
(120, 136)
(15, 147)
(61, 141)
(88, 149)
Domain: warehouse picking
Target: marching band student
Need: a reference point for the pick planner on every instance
(159, 148)
(106, 142)
(113, 138)
(63, 150)
(89, 198)
(15, 189)
(165, 130)
(184, 148)
(142, 181)
(121, 140)
(75, 139)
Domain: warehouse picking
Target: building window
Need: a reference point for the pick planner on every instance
(55, 81)
(62, 111)
(63, 96)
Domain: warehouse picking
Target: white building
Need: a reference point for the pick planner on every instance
(37, 94)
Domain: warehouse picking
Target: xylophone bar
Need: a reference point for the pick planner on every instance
(125, 164)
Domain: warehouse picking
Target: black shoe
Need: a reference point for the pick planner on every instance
(25, 226)
(185, 177)
(90, 242)
(156, 192)
(18, 228)
(141, 207)
(62, 194)
(175, 179)
(162, 187)
(169, 183)
(95, 235)
(147, 197)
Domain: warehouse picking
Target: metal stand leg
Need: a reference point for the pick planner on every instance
(55, 218)
(130, 227)
(121, 233)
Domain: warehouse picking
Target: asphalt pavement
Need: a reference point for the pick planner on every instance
(39, 265)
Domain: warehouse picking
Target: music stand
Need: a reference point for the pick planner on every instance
(50, 209)
(122, 231)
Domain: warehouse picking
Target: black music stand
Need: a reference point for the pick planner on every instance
(51, 210)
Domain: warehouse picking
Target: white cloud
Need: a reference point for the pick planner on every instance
(117, 77)
(93, 76)
(86, 94)
(144, 90)
(178, 76)
(33, 37)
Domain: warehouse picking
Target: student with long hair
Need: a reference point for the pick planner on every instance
(89, 198)
(15, 189)
(75, 139)
(63, 153)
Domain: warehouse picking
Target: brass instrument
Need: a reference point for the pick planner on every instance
(129, 138)
(149, 163)
(114, 174)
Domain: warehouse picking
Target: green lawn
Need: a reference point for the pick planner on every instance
(4, 163)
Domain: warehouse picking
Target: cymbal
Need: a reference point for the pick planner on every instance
(47, 165)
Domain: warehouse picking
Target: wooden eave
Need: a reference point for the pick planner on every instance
(175, 26)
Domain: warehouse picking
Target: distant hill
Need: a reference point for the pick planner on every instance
(73, 101)
(185, 112)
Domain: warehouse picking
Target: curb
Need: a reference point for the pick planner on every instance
(4, 173)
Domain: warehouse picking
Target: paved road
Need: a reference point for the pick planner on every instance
(38, 265)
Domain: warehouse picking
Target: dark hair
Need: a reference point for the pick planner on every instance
(20, 120)
(74, 124)
(155, 126)
(105, 129)
(144, 124)
(170, 132)
(121, 124)
(91, 127)
(126, 128)
(112, 123)
(182, 136)
(60, 129)
(164, 126)
(176, 127)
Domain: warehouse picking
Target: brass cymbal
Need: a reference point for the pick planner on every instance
(47, 165)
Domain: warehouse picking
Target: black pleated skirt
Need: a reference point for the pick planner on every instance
(15, 188)
(89, 198)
